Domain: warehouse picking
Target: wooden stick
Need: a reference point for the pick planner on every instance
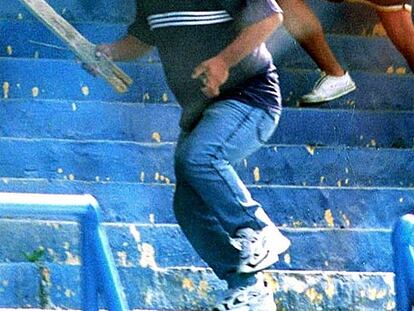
(82, 48)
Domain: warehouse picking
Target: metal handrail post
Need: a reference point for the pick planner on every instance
(89, 273)
(98, 271)
(403, 247)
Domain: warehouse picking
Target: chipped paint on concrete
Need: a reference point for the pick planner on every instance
(73, 260)
(69, 293)
(374, 294)
(329, 218)
(391, 305)
(6, 89)
(256, 174)
(310, 149)
(379, 30)
(147, 256)
(35, 91)
(156, 137)
(287, 259)
(203, 288)
(294, 284)
(85, 90)
(66, 245)
(401, 71)
(123, 259)
(146, 250)
(314, 296)
(272, 282)
(135, 234)
(346, 220)
(330, 288)
(188, 284)
(390, 70)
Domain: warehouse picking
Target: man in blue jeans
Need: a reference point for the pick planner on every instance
(223, 76)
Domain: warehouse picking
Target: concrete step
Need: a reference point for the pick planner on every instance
(164, 245)
(28, 78)
(288, 206)
(76, 10)
(183, 289)
(62, 119)
(272, 164)
(32, 39)
(374, 54)
(336, 18)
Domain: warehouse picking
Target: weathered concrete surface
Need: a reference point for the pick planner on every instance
(288, 206)
(128, 122)
(196, 289)
(273, 164)
(286, 51)
(164, 245)
(23, 78)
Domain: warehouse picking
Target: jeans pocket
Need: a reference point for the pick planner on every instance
(266, 127)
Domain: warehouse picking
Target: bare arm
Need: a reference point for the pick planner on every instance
(128, 48)
(214, 72)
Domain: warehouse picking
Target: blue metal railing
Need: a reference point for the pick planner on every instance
(403, 246)
(98, 271)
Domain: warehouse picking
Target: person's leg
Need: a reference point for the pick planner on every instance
(205, 233)
(212, 204)
(228, 132)
(305, 27)
(400, 29)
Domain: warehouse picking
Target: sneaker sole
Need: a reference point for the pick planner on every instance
(270, 258)
(305, 102)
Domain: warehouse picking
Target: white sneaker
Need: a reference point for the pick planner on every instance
(259, 249)
(328, 88)
(257, 297)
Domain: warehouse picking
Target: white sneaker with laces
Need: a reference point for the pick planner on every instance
(261, 248)
(257, 297)
(328, 88)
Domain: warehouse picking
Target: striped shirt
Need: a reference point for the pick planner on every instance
(188, 32)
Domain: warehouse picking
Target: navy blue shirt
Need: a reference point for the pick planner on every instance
(189, 32)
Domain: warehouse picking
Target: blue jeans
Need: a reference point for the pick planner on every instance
(211, 202)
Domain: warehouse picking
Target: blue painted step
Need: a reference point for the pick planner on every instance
(288, 206)
(164, 245)
(158, 122)
(76, 10)
(196, 289)
(28, 37)
(273, 164)
(27, 78)
(352, 52)
(337, 18)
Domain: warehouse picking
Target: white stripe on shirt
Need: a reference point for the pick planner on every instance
(188, 18)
